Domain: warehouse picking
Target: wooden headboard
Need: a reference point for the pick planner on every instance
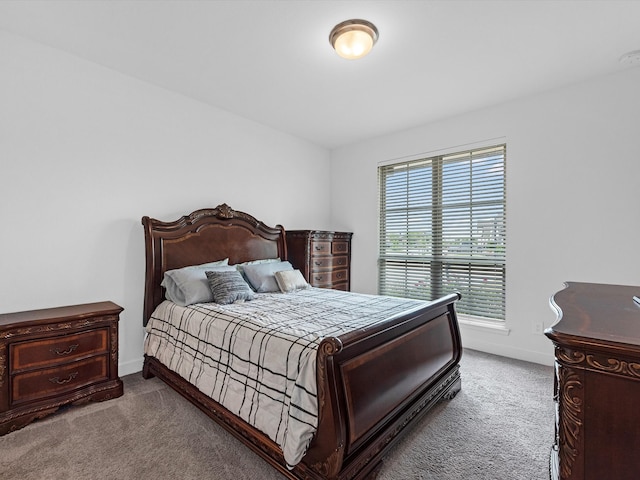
(203, 236)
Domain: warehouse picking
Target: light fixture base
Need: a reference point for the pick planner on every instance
(353, 38)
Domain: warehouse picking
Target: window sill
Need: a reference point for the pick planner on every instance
(477, 323)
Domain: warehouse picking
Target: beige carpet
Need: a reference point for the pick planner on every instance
(499, 427)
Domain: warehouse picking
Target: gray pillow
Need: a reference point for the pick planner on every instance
(188, 285)
(262, 276)
(240, 266)
(228, 287)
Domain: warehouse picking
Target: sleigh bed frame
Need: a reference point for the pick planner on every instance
(373, 384)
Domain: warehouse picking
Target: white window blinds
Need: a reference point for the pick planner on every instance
(442, 229)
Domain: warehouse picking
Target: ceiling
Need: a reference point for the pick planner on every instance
(270, 61)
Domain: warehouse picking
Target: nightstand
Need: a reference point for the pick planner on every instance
(55, 357)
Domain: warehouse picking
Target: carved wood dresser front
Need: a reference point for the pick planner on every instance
(597, 384)
(324, 258)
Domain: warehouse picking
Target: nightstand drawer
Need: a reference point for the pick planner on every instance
(44, 383)
(54, 351)
(328, 263)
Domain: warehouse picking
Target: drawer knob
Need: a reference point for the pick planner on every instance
(64, 380)
(319, 247)
(69, 350)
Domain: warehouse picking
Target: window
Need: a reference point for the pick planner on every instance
(442, 229)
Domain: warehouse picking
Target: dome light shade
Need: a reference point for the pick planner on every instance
(353, 39)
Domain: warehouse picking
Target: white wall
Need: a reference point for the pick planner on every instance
(573, 197)
(85, 152)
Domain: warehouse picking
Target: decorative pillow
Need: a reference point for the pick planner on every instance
(228, 287)
(262, 276)
(188, 285)
(290, 280)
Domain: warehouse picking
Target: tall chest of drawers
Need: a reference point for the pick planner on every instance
(54, 357)
(323, 257)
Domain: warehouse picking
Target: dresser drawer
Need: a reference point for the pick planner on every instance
(44, 383)
(53, 351)
(320, 279)
(328, 263)
(339, 246)
(320, 248)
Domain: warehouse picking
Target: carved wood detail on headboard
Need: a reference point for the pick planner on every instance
(203, 236)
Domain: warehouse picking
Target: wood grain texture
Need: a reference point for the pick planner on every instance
(323, 257)
(597, 345)
(359, 421)
(54, 357)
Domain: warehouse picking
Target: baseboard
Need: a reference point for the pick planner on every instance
(543, 358)
(132, 366)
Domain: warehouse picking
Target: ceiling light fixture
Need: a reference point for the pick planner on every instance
(353, 39)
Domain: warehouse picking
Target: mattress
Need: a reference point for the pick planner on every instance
(258, 358)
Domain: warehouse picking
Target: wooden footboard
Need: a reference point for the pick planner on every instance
(373, 384)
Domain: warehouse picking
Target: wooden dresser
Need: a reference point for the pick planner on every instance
(54, 357)
(597, 384)
(324, 258)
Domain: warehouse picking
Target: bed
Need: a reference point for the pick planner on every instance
(371, 383)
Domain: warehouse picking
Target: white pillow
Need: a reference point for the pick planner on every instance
(290, 280)
(188, 285)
